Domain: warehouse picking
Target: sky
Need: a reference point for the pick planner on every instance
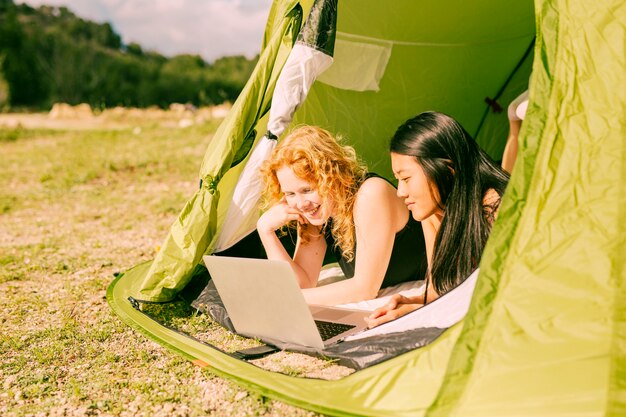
(209, 28)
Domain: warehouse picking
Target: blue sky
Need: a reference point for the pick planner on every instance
(209, 28)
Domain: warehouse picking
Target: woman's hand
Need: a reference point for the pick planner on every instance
(398, 306)
(308, 258)
(277, 216)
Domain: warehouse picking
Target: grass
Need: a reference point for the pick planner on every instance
(76, 206)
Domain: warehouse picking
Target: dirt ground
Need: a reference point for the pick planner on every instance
(82, 117)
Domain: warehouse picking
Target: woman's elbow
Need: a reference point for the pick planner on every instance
(305, 281)
(307, 284)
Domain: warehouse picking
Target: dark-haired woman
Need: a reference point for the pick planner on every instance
(453, 188)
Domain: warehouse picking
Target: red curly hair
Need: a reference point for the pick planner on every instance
(315, 156)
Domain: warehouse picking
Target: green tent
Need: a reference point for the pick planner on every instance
(546, 329)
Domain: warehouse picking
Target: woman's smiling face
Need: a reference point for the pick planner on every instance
(421, 198)
(303, 196)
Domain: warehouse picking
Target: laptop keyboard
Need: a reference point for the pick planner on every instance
(329, 329)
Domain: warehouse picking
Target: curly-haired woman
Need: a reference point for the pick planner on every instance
(318, 184)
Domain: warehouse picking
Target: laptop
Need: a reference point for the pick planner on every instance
(264, 301)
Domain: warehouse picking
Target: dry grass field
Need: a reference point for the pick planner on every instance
(79, 201)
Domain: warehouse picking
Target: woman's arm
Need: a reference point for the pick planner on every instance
(378, 215)
(307, 261)
(398, 306)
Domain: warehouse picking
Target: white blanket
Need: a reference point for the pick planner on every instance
(443, 312)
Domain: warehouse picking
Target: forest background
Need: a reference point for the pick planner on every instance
(50, 55)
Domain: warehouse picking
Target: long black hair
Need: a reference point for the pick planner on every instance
(463, 174)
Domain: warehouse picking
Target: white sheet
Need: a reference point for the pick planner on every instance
(443, 312)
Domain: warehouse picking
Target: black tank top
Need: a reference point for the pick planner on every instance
(408, 257)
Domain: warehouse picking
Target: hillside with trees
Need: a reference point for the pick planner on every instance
(48, 55)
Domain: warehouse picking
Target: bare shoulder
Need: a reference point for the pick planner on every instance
(377, 201)
(375, 186)
(491, 198)
(491, 204)
(376, 192)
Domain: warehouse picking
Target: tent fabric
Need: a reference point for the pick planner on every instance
(242, 212)
(362, 65)
(545, 331)
(494, 124)
(417, 56)
(197, 225)
(548, 310)
(311, 56)
(431, 65)
(385, 389)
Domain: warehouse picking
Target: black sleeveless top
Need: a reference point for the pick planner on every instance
(408, 257)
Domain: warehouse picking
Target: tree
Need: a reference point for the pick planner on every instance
(21, 72)
(51, 55)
